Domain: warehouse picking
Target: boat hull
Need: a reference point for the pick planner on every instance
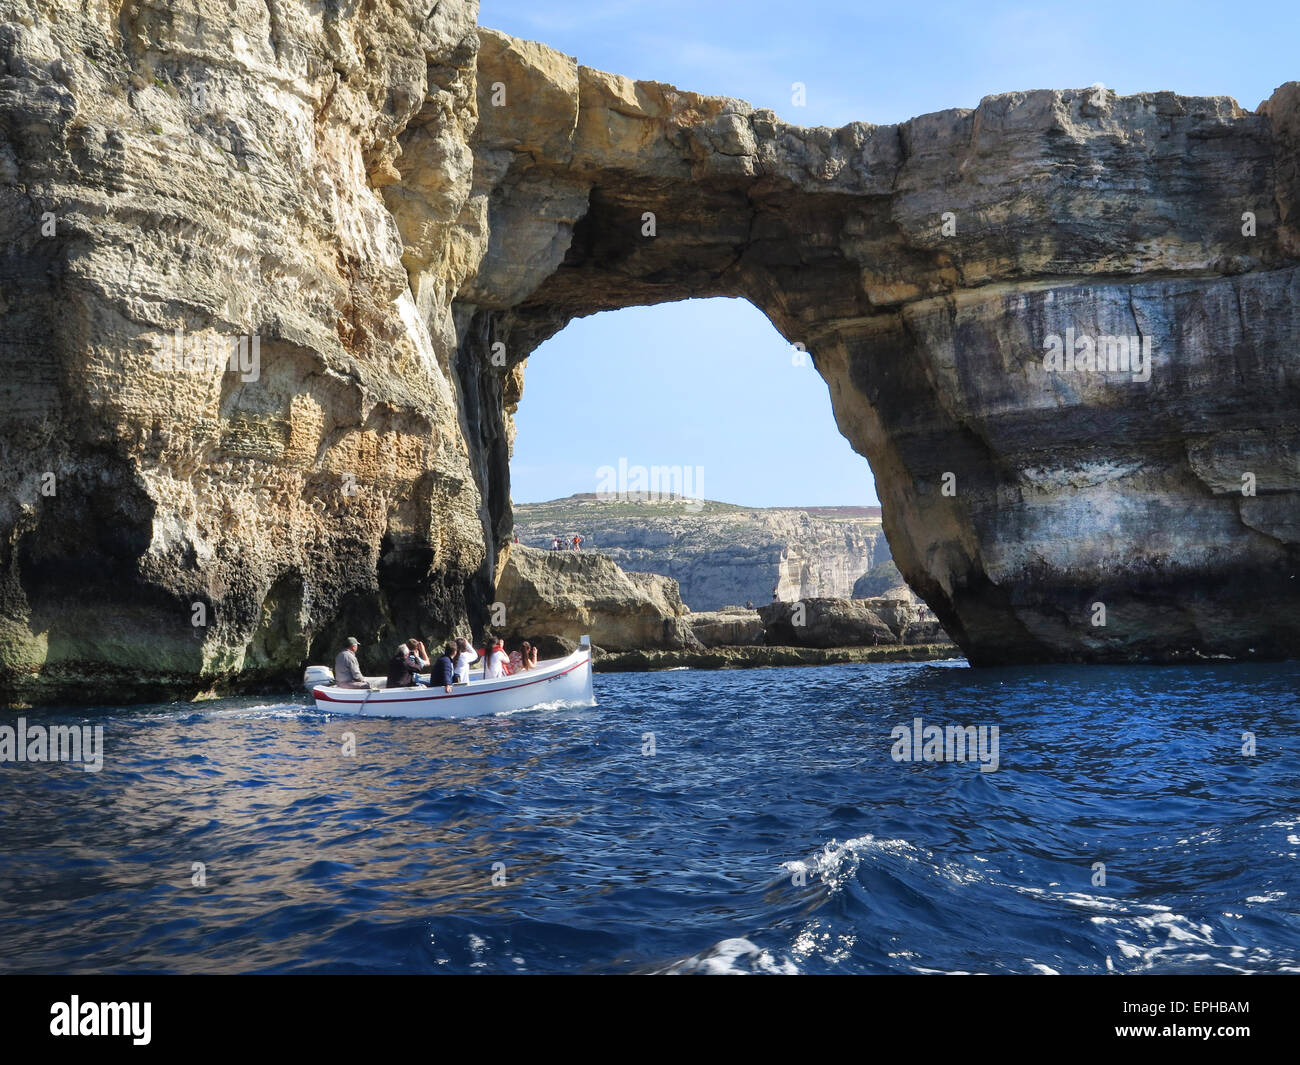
(565, 681)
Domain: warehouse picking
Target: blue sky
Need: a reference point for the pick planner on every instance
(710, 383)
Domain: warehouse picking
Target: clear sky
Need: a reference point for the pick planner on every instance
(710, 383)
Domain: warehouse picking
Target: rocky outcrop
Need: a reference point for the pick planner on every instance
(393, 210)
(718, 553)
(758, 657)
(849, 623)
(730, 627)
(569, 594)
(824, 623)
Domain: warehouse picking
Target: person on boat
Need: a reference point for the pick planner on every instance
(529, 655)
(465, 657)
(404, 669)
(347, 670)
(444, 670)
(420, 658)
(419, 653)
(497, 664)
(516, 661)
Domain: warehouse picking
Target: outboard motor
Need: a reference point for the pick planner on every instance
(316, 676)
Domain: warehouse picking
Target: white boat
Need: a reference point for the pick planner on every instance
(560, 681)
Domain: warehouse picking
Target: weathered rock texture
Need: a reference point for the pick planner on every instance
(720, 554)
(339, 181)
(570, 594)
(222, 169)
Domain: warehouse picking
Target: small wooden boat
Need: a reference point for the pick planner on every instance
(559, 681)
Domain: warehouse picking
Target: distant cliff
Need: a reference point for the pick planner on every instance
(720, 554)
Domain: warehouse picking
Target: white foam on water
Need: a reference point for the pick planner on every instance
(554, 704)
(836, 863)
(832, 947)
(733, 957)
(1146, 935)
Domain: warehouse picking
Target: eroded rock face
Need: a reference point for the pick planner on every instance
(220, 169)
(338, 183)
(927, 268)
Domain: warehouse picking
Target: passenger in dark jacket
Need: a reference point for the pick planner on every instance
(404, 669)
(444, 669)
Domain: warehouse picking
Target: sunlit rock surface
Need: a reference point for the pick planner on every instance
(569, 594)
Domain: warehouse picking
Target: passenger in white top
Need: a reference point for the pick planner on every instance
(466, 656)
(496, 661)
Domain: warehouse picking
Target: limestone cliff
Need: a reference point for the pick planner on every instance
(174, 177)
(392, 209)
(719, 554)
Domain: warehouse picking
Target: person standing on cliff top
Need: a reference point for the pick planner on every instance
(347, 670)
(577, 543)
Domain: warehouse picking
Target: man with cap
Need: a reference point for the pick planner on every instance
(347, 670)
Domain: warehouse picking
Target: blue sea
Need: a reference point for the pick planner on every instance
(751, 821)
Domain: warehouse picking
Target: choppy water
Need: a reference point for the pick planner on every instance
(769, 831)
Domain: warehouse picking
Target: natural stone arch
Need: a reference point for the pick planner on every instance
(1071, 209)
(341, 186)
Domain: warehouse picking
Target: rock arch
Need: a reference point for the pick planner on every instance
(924, 265)
(342, 186)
